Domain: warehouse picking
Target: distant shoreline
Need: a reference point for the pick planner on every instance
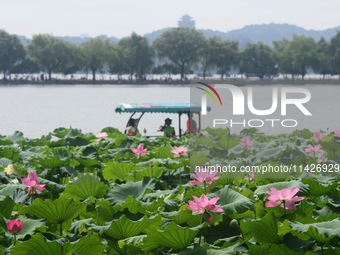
(237, 82)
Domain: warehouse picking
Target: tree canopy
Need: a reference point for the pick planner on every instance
(137, 54)
(177, 51)
(95, 54)
(12, 52)
(258, 59)
(180, 46)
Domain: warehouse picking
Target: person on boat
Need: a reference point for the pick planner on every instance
(191, 125)
(169, 131)
(131, 129)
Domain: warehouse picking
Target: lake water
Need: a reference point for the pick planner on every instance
(38, 110)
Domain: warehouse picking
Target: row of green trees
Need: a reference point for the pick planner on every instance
(179, 50)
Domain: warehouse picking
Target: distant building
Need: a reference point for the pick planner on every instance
(186, 21)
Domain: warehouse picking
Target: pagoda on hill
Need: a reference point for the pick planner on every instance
(186, 21)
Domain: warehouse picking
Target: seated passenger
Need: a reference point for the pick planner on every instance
(131, 129)
(168, 130)
(191, 125)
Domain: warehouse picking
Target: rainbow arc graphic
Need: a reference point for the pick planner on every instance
(211, 91)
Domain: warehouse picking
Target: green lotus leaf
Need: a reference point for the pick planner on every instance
(60, 132)
(304, 133)
(155, 206)
(256, 249)
(16, 137)
(73, 132)
(38, 245)
(88, 161)
(281, 249)
(219, 132)
(79, 226)
(29, 225)
(152, 172)
(333, 149)
(118, 171)
(119, 193)
(319, 187)
(124, 227)
(202, 142)
(77, 141)
(55, 211)
(84, 186)
(264, 230)
(232, 201)
(163, 151)
(52, 184)
(104, 211)
(297, 244)
(182, 216)
(111, 131)
(304, 213)
(132, 205)
(136, 241)
(51, 161)
(250, 132)
(320, 231)
(5, 141)
(274, 152)
(9, 152)
(326, 213)
(9, 189)
(136, 206)
(6, 207)
(198, 250)
(173, 236)
(88, 245)
(198, 158)
(4, 162)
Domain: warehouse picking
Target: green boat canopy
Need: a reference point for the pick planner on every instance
(177, 108)
(159, 108)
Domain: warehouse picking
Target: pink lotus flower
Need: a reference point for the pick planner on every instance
(245, 142)
(14, 226)
(32, 182)
(251, 176)
(101, 135)
(317, 136)
(203, 176)
(140, 151)
(285, 197)
(203, 204)
(321, 159)
(180, 150)
(337, 133)
(310, 150)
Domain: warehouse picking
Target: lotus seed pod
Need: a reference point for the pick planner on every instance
(233, 223)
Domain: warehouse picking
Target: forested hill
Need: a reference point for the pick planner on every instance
(266, 33)
(275, 32)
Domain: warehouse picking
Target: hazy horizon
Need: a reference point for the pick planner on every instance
(121, 18)
(90, 36)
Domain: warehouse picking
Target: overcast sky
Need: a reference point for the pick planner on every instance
(121, 18)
